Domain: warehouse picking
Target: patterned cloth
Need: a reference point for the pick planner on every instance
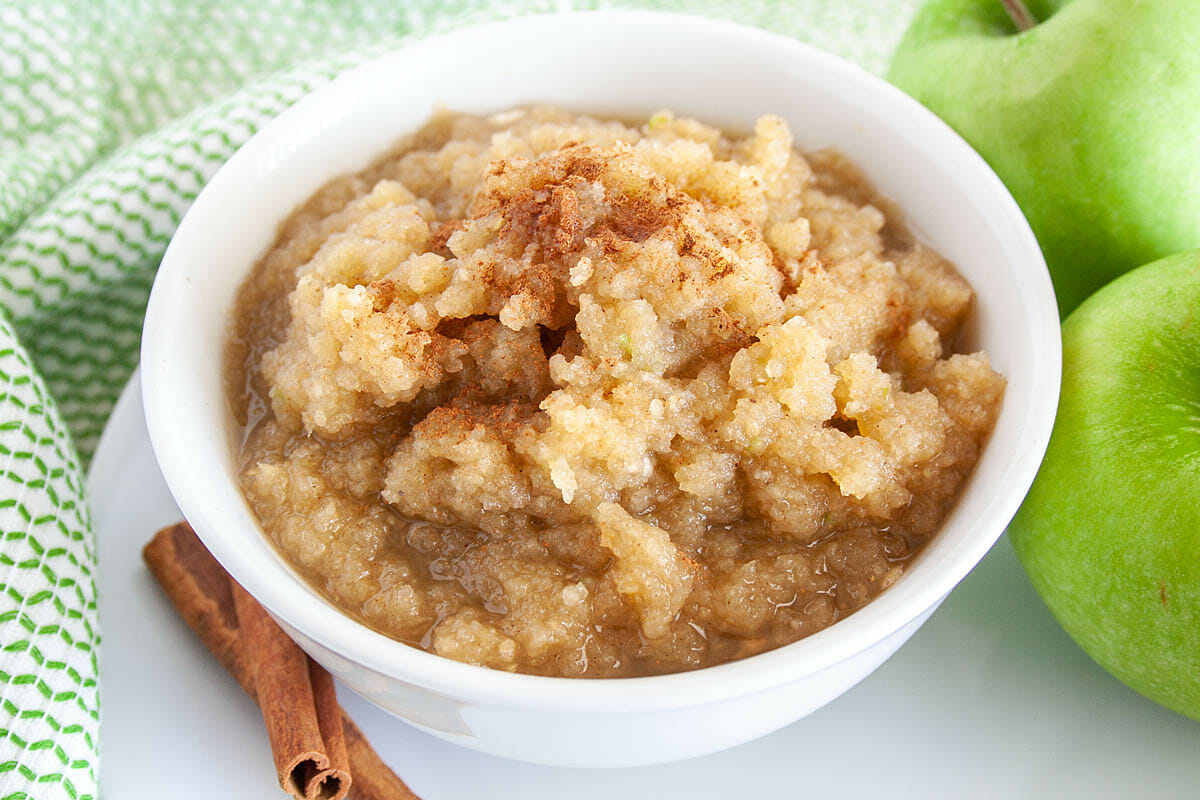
(113, 115)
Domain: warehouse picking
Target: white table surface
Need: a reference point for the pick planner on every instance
(989, 700)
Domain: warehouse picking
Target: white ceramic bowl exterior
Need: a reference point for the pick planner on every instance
(626, 64)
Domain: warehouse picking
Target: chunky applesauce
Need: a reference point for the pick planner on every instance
(572, 397)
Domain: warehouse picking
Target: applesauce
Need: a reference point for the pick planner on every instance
(575, 397)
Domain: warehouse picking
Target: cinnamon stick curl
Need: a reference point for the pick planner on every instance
(322, 759)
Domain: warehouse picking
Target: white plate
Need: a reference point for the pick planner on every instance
(990, 699)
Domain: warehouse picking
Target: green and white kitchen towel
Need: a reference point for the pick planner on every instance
(113, 115)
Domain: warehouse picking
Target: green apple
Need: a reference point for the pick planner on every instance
(1091, 118)
(1110, 531)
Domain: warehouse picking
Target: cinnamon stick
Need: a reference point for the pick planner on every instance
(334, 779)
(203, 594)
(310, 766)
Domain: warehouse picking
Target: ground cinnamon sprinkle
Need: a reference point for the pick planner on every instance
(574, 397)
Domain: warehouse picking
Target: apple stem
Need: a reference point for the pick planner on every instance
(1020, 14)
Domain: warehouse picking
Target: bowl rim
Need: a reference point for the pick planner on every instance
(321, 622)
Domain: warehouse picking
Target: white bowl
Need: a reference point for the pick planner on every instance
(616, 64)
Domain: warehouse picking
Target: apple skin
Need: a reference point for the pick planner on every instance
(1110, 531)
(1091, 118)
